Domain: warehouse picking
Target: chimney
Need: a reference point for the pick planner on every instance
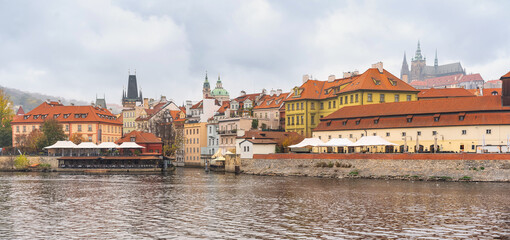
(272, 92)
(306, 77)
(347, 74)
(263, 91)
(505, 90)
(243, 93)
(379, 66)
(163, 99)
(331, 78)
(355, 73)
(278, 92)
(146, 103)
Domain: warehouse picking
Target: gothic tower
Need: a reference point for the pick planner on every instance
(404, 72)
(417, 65)
(206, 89)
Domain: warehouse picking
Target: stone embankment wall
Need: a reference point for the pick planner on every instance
(449, 167)
(7, 162)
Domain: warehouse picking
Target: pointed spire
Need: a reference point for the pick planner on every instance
(206, 79)
(436, 62)
(405, 68)
(418, 55)
(219, 80)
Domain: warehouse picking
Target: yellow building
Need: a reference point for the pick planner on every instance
(317, 99)
(195, 138)
(467, 124)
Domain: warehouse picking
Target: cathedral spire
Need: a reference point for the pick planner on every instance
(404, 72)
(418, 55)
(436, 62)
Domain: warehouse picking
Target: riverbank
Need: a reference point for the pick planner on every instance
(437, 167)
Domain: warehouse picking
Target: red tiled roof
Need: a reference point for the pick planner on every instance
(140, 137)
(224, 106)
(505, 76)
(444, 80)
(274, 101)
(371, 79)
(443, 105)
(471, 77)
(261, 141)
(278, 137)
(197, 105)
(418, 83)
(478, 110)
(444, 93)
(20, 111)
(67, 114)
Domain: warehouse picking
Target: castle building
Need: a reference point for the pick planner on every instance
(420, 71)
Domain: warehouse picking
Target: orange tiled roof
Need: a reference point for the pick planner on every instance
(274, 101)
(443, 105)
(61, 113)
(505, 76)
(140, 137)
(224, 106)
(371, 79)
(444, 93)
(482, 110)
(278, 137)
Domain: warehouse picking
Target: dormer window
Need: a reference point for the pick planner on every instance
(77, 115)
(36, 116)
(26, 117)
(393, 82)
(376, 82)
(44, 116)
(66, 115)
(133, 139)
(84, 115)
(56, 115)
(344, 122)
(436, 118)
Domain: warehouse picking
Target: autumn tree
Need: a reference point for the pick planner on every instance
(77, 138)
(34, 142)
(6, 115)
(53, 132)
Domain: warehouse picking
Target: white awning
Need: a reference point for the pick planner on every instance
(337, 142)
(61, 144)
(308, 142)
(372, 141)
(129, 145)
(107, 145)
(86, 145)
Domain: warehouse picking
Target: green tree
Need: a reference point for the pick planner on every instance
(6, 115)
(21, 162)
(77, 138)
(53, 132)
(254, 123)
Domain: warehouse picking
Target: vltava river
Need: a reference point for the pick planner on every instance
(192, 204)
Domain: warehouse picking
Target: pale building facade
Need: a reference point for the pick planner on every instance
(449, 124)
(195, 138)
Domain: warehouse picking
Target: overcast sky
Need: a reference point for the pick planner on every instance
(77, 49)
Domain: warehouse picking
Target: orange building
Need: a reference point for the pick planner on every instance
(94, 124)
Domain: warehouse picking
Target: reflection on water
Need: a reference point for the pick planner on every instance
(192, 204)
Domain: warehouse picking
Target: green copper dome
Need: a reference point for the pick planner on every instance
(219, 92)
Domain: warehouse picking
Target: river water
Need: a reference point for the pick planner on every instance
(190, 203)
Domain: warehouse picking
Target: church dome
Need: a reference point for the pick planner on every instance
(219, 92)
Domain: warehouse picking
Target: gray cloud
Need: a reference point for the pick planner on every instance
(80, 48)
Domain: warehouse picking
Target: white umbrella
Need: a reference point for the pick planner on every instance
(87, 145)
(337, 142)
(61, 144)
(130, 145)
(372, 141)
(107, 145)
(312, 142)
